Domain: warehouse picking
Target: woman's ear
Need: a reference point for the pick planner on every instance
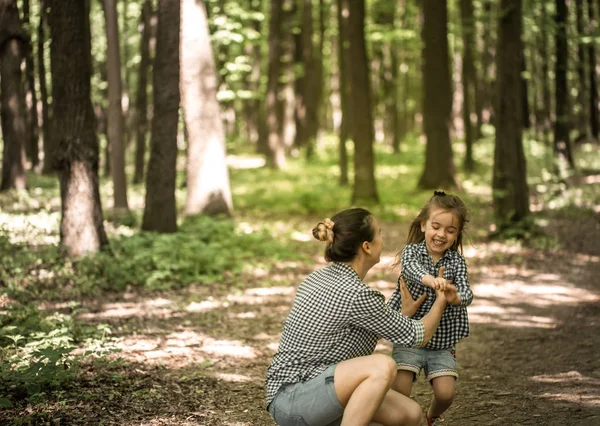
(365, 247)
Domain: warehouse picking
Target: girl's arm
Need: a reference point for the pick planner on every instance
(413, 270)
(464, 295)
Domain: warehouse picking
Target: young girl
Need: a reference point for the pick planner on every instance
(432, 260)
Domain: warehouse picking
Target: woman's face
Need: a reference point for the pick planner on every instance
(377, 244)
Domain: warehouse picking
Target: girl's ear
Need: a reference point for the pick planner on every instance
(423, 226)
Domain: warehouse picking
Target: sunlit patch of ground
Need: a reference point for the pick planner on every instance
(159, 308)
(573, 387)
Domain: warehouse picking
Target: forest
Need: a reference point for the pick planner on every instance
(164, 162)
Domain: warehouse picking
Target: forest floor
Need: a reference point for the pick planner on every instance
(199, 357)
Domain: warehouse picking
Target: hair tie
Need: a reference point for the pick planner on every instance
(439, 193)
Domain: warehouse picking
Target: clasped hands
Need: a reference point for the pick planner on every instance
(443, 288)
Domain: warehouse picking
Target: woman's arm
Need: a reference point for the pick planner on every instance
(432, 319)
(370, 312)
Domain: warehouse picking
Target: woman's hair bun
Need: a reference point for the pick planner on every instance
(324, 231)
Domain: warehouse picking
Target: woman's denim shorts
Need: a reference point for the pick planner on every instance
(310, 403)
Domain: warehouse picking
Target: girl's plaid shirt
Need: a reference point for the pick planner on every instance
(416, 262)
(335, 317)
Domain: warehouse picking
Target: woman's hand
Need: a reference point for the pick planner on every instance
(409, 306)
(451, 294)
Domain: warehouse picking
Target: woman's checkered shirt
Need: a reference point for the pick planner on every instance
(416, 262)
(335, 317)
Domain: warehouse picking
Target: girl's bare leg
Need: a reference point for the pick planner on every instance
(403, 382)
(444, 389)
(362, 386)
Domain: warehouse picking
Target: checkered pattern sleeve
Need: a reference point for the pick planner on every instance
(369, 311)
(461, 281)
(412, 268)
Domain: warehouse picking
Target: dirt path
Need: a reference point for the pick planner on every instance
(200, 358)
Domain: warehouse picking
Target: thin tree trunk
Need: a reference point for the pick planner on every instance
(115, 110)
(524, 93)
(12, 97)
(142, 93)
(49, 143)
(510, 190)
(32, 144)
(81, 228)
(562, 143)
(546, 95)
(160, 212)
(365, 186)
(582, 119)
(469, 79)
(275, 143)
(208, 189)
(343, 70)
(252, 105)
(594, 112)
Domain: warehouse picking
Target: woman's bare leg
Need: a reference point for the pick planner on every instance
(362, 386)
(443, 395)
(398, 410)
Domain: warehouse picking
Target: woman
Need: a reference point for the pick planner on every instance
(325, 372)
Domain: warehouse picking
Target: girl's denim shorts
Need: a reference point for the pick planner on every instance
(309, 403)
(435, 363)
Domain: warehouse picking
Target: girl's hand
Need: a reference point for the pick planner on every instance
(409, 305)
(438, 283)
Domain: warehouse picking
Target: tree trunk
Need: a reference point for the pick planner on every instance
(49, 143)
(344, 88)
(594, 113)
(252, 105)
(510, 191)
(437, 99)
(275, 143)
(81, 228)
(12, 98)
(126, 92)
(307, 103)
(32, 144)
(483, 98)
(388, 75)
(142, 93)
(160, 212)
(115, 109)
(524, 92)
(582, 120)
(546, 95)
(469, 79)
(365, 187)
(562, 143)
(208, 189)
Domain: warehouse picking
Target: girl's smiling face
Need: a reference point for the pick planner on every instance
(441, 231)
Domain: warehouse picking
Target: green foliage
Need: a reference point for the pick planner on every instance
(36, 350)
(204, 250)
